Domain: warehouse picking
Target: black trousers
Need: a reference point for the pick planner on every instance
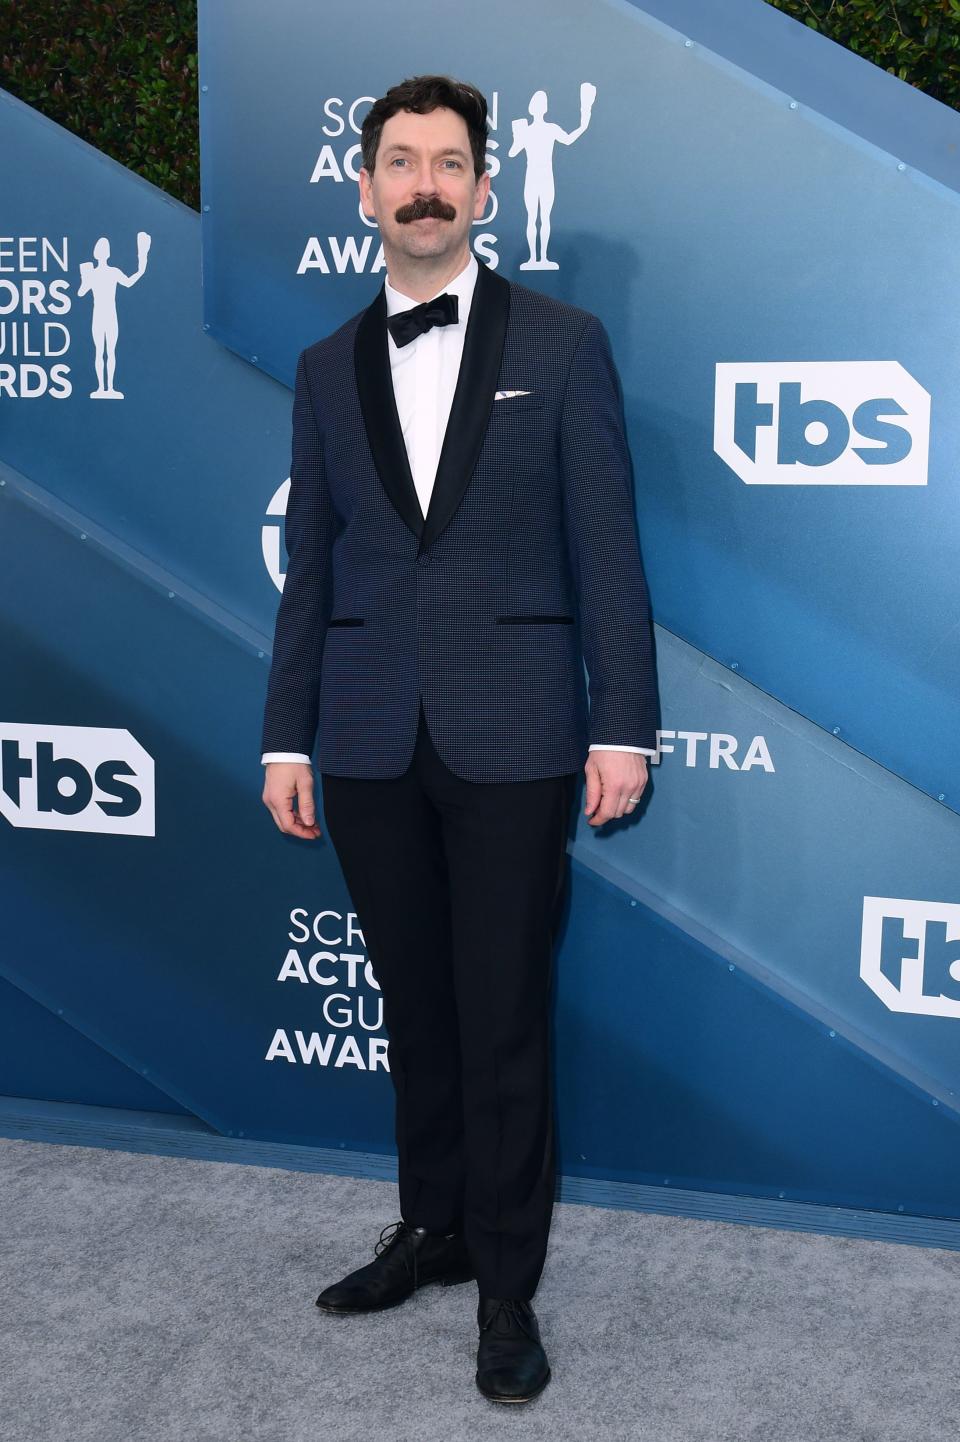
(457, 887)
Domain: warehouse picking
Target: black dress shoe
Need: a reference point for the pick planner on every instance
(409, 1258)
(511, 1363)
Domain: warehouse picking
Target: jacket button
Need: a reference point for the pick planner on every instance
(423, 559)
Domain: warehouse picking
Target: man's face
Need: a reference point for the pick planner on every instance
(423, 194)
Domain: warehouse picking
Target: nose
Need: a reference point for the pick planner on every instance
(425, 182)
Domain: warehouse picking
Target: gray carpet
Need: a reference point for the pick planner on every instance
(171, 1299)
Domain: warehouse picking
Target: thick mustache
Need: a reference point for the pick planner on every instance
(425, 209)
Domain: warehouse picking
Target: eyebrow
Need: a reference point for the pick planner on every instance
(449, 150)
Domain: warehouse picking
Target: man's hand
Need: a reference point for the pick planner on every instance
(284, 781)
(612, 778)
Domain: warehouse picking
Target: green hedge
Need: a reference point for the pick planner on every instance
(916, 40)
(123, 73)
(120, 73)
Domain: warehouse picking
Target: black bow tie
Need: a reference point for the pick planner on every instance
(406, 325)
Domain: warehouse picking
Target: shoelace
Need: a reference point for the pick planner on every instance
(399, 1231)
(508, 1308)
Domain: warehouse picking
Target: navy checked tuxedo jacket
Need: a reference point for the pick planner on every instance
(525, 565)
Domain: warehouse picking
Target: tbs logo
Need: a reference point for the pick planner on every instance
(822, 423)
(270, 534)
(910, 954)
(75, 778)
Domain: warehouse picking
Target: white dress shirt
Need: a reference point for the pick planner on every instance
(425, 373)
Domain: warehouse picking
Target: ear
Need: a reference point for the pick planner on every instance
(366, 193)
(481, 195)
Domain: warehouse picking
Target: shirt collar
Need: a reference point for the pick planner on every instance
(461, 286)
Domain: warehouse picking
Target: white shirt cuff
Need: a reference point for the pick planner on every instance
(299, 756)
(641, 750)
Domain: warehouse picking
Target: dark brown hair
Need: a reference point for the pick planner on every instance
(421, 94)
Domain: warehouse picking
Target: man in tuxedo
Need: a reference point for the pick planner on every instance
(461, 537)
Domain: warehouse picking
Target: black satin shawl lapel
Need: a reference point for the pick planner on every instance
(371, 360)
(472, 399)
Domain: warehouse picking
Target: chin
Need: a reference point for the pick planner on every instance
(429, 246)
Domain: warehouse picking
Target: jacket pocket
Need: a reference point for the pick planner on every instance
(347, 621)
(512, 620)
(510, 405)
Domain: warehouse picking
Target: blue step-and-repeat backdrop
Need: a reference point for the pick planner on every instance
(758, 980)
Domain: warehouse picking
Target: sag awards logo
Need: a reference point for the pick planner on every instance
(32, 335)
(910, 954)
(76, 778)
(329, 952)
(822, 423)
(534, 142)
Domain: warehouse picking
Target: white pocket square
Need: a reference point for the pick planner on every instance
(505, 395)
